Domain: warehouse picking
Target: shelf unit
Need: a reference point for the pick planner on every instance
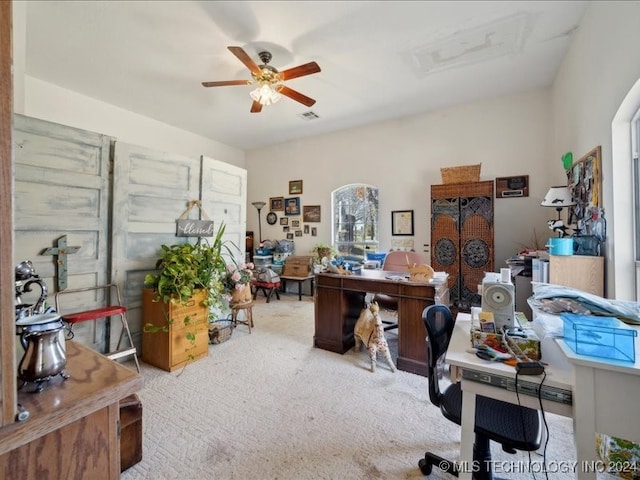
(581, 272)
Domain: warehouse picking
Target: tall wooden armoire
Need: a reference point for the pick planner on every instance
(462, 237)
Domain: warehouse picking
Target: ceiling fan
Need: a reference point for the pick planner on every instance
(268, 80)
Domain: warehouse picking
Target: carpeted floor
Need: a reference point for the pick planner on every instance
(268, 405)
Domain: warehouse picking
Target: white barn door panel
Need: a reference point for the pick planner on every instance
(151, 189)
(62, 189)
(224, 198)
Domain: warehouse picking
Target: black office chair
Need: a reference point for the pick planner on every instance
(515, 427)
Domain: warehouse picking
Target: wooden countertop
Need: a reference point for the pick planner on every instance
(95, 382)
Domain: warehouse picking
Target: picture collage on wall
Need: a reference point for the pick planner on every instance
(294, 217)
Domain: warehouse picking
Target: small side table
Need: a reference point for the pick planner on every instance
(300, 280)
(247, 309)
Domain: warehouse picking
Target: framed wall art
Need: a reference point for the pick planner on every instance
(311, 213)
(284, 221)
(292, 206)
(276, 204)
(402, 222)
(295, 187)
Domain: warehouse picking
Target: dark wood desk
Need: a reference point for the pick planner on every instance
(340, 298)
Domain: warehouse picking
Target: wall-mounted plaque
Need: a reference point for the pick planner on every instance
(509, 187)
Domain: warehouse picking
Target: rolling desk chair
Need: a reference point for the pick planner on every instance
(397, 261)
(515, 427)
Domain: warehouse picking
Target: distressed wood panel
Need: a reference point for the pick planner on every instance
(48, 200)
(57, 147)
(224, 198)
(151, 189)
(62, 188)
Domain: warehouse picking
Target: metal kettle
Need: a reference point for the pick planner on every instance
(44, 357)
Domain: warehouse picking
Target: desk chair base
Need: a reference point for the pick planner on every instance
(481, 461)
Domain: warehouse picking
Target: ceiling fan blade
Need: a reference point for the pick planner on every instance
(300, 71)
(297, 96)
(256, 107)
(225, 83)
(246, 59)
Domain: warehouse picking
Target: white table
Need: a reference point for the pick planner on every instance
(606, 400)
(457, 354)
(606, 395)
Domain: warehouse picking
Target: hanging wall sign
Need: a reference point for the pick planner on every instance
(194, 228)
(186, 227)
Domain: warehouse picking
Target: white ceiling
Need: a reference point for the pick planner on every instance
(380, 60)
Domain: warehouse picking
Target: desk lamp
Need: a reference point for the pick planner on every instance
(558, 198)
(259, 206)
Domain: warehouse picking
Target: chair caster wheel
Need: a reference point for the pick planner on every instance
(425, 467)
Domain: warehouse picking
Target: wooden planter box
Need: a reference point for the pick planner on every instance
(171, 350)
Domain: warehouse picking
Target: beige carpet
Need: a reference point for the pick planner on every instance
(268, 405)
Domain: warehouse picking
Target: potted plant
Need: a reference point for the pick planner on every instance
(178, 298)
(321, 251)
(237, 282)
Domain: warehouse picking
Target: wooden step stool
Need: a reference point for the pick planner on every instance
(101, 312)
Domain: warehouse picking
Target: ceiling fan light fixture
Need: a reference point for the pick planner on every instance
(265, 94)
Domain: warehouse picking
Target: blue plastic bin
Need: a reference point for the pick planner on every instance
(376, 256)
(605, 337)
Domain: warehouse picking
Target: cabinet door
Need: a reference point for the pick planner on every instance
(476, 246)
(445, 241)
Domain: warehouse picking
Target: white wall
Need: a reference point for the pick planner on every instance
(509, 135)
(49, 102)
(35, 98)
(599, 71)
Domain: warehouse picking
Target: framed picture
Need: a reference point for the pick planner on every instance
(272, 218)
(295, 187)
(276, 204)
(295, 223)
(292, 206)
(285, 229)
(311, 213)
(306, 229)
(284, 221)
(289, 236)
(314, 232)
(402, 222)
(298, 233)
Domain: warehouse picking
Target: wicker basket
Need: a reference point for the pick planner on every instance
(220, 331)
(461, 174)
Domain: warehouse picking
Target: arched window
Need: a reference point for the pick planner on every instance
(355, 220)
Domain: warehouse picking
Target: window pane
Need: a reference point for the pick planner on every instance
(355, 219)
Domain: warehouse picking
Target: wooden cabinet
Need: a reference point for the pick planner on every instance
(72, 431)
(462, 237)
(170, 348)
(581, 272)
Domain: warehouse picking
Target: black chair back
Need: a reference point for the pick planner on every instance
(439, 323)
